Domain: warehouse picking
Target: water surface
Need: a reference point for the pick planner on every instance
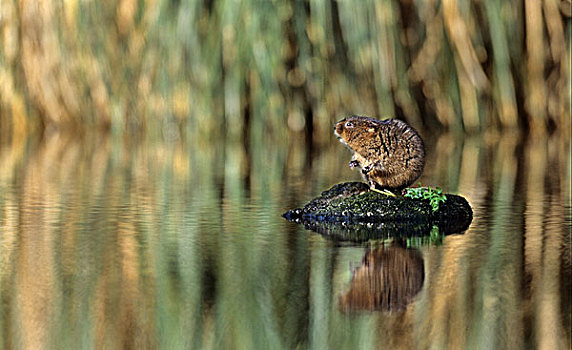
(107, 243)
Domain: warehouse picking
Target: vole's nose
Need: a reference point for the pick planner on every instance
(338, 128)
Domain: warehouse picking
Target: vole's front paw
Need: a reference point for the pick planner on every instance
(366, 169)
(353, 164)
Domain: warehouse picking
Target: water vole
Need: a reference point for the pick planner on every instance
(389, 152)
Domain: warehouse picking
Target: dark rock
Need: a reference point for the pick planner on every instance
(350, 211)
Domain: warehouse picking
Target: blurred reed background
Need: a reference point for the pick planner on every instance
(260, 70)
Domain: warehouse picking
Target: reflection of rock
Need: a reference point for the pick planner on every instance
(349, 211)
(366, 231)
(388, 279)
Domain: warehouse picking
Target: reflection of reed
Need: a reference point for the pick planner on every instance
(388, 279)
(35, 287)
(550, 284)
(78, 261)
(122, 243)
(115, 244)
(474, 287)
(546, 253)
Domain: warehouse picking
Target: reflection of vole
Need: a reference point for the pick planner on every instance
(390, 153)
(388, 279)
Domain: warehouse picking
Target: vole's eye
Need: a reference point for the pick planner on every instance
(349, 125)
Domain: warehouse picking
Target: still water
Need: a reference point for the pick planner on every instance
(114, 244)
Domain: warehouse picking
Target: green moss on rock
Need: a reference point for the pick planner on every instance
(360, 214)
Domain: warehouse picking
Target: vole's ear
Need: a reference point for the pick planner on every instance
(372, 128)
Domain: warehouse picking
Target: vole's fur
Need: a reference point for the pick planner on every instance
(390, 153)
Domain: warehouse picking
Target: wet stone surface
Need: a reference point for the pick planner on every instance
(351, 209)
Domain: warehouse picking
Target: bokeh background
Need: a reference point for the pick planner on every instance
(260, 70)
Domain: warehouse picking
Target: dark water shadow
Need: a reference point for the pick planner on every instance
(358, 232)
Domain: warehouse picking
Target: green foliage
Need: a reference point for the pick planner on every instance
(435, 238)
(434, 195)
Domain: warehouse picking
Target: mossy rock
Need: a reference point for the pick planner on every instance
(351, 211)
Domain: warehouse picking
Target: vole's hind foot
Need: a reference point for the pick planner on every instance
(384, 192)
(373, 187)
(389, 193)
